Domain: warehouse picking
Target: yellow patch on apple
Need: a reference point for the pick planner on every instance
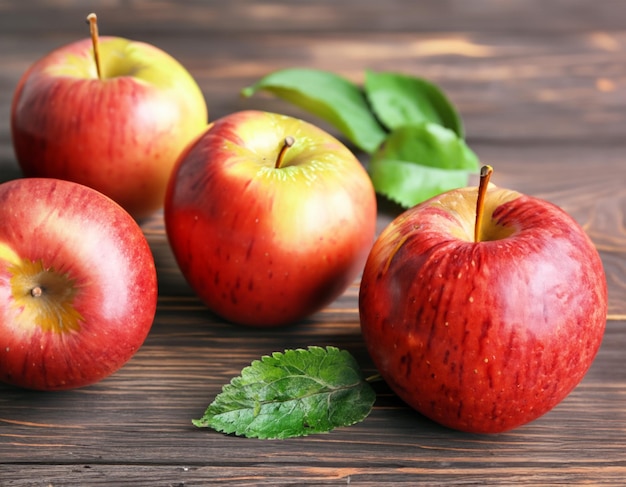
(44, 297)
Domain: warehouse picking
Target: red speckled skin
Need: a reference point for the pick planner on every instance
(264, 246)
(483, 337)
(121, 134)
(76, 231)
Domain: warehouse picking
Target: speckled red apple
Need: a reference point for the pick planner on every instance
(270, 218)
(483, 333)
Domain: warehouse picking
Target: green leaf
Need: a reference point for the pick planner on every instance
(328, 96)
(289, 394)
(417, 162)
(399, 99)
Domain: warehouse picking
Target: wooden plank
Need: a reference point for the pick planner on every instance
(289, 475)
(219, 17)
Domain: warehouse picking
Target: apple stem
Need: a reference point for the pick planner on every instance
(485, 175)
(93, 30)
(36, 292)
(289, 141)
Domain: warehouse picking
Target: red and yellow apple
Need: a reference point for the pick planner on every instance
(78, 285)
(269, 217)
(116, 125)
(483, 317)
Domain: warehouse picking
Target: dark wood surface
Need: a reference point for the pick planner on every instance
(541, 86)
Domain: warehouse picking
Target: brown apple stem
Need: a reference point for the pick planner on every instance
(289, 141)
(93, 29)
(485, 175)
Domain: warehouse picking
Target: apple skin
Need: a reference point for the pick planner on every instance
(483, 336)
(120, 134)
(267, 246)
(98, 280)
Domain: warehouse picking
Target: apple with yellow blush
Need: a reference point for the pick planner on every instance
(109, 113)
(270, 218)
(78, 286)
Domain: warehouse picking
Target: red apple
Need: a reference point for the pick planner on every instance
(483, 333)
(78, 285)
(117, 125)
(269, 217)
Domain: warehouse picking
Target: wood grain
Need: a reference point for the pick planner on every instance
(541, 88)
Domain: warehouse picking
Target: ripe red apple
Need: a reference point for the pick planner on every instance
(78, 285)
(269, 217)
(483, 331)
(116, 125)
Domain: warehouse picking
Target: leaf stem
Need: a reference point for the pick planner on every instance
(93, 30)
(288, 142)
(485, 175)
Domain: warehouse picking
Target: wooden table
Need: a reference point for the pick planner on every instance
(541, 86)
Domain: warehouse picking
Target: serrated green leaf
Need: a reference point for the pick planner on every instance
(417, 162)
(399, 99)
(289, 394)
(328, 96)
